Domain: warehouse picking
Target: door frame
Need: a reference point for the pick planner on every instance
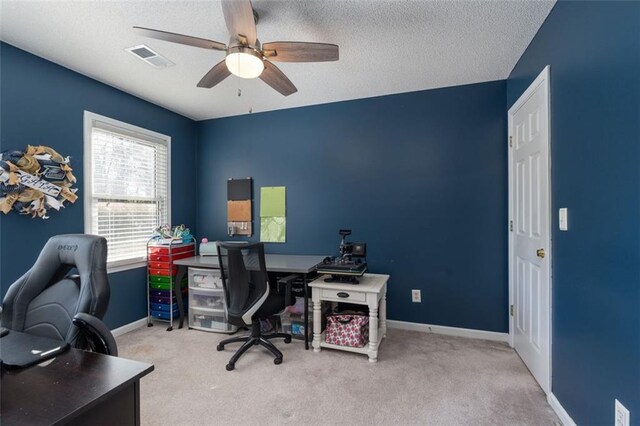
(542, 79)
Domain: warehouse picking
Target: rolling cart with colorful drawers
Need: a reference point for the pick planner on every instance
(161, 273)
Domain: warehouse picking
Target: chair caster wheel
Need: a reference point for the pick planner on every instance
(287, 339)
(277, 361)
(220, 347)
(230, 366)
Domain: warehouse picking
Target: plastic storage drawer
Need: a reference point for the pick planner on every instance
(165, 258)
(159, 265)
(163, 272)
(210, 301)
(162, 300)
(204, 319)
(173, 249)
(162, 286)
(164, 279)
(204, 278)
(165, 294)
(163, 307)
(164, 314)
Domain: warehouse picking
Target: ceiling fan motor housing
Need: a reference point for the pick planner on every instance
(244, 61)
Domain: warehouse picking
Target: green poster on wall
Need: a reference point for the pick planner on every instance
(272, 201)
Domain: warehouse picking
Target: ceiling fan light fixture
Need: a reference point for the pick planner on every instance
(244, 62)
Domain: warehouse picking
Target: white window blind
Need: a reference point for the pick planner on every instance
(129, 188)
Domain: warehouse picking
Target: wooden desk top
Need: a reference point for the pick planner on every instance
(72, 383)
(288, 263)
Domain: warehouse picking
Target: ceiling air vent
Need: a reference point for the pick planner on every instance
(147, 55)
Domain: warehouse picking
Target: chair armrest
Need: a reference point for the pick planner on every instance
(285, 283)
(99, 336)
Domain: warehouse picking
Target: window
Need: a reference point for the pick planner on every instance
(126, 180)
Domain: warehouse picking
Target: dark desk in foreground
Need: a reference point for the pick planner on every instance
(77, 388)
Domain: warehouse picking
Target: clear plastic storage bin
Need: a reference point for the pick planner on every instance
(207, 308)
(203, 319)
(205, 278)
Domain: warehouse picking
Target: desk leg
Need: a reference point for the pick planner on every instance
(373, 333)
(317, 323)
(136, 402)
(383, 315)
(178, 292)
(306, 312)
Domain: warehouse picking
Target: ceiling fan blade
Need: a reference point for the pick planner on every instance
(276, 79)
(296, 51)
(181, 39)
(215, 75)
(238, 15)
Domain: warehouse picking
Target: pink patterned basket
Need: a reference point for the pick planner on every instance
(347, 330)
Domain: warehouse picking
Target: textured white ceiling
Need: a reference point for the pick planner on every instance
(385, 46)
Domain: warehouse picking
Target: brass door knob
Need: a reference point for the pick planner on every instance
(540, 253)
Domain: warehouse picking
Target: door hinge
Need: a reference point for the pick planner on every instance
(512, 310)
(511, 225)
(510, 141)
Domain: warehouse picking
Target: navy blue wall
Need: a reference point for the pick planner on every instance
(594, 52)
(420, 177)
(43, 103)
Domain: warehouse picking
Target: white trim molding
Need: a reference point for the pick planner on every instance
(449, 331)
(142, 322)
(565, 418)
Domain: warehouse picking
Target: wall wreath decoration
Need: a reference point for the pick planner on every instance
(35, 180)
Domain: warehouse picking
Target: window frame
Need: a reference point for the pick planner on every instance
(150, 136)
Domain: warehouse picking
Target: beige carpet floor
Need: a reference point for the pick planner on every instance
(420, 378)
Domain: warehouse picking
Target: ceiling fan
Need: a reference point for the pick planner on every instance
(245, 56)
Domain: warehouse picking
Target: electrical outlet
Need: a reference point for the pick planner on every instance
(416, 296)
(622, 415)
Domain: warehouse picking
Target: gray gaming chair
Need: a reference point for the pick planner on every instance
(47, 301)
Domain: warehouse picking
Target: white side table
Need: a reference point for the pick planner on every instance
(372, 292)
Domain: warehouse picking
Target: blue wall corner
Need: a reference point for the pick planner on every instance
(593, 49)
(43, 104)
(420, 177)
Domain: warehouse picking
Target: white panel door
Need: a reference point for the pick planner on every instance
(530, 233)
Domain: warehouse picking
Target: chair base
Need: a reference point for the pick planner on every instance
(256, 338)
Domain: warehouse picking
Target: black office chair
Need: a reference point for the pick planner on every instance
(49, 302)
(246, 287)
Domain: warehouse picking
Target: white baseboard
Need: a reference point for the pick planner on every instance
(142, 322)
(450, 331)
(565, 418)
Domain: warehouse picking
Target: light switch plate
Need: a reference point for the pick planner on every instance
(564, 220)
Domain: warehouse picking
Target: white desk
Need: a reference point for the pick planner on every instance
(372, 292)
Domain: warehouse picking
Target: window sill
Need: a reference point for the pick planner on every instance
(126, 267)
